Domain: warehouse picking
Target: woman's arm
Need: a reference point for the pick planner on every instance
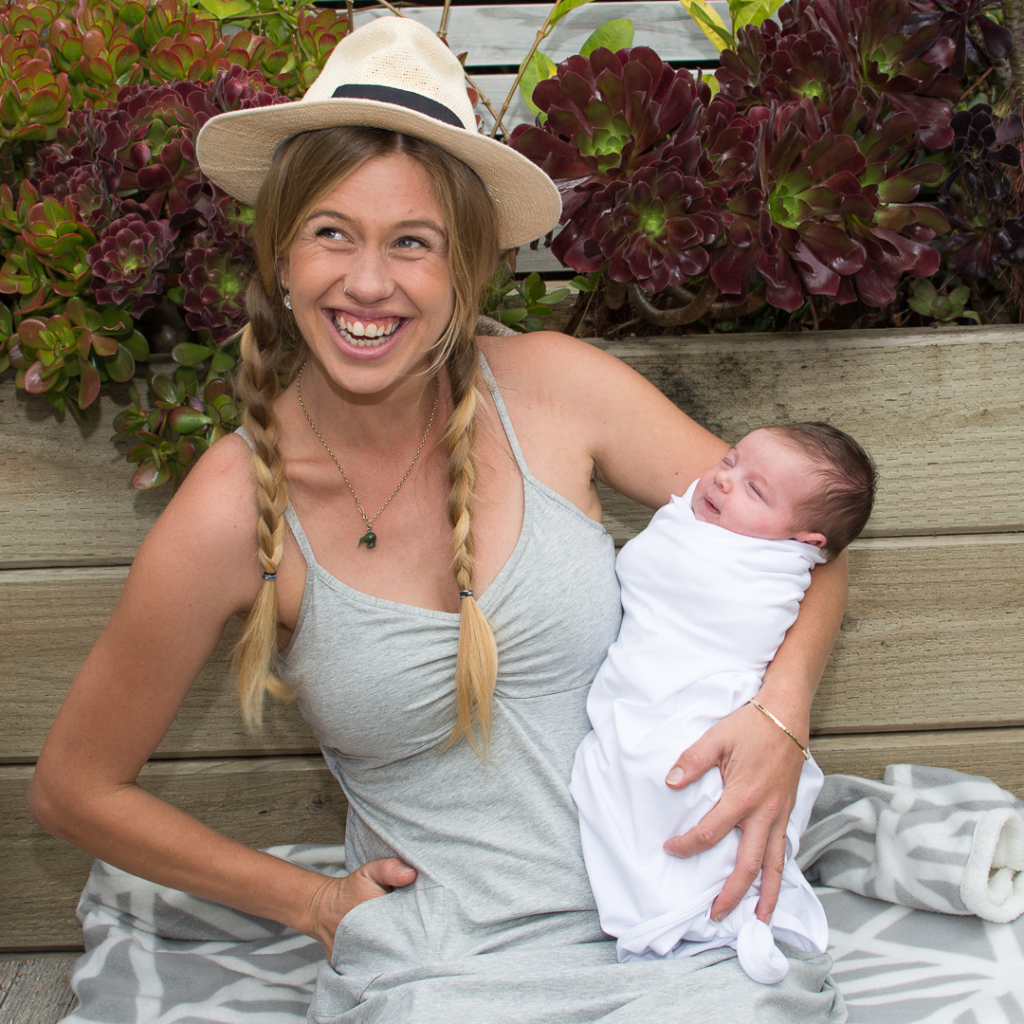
(630, 436)
(196, 568)
(758, 761)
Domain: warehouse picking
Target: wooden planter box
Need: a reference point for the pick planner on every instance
(929, 666)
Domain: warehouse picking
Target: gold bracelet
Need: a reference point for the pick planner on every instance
(764, 711)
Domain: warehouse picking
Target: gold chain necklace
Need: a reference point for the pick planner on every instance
(369, 538)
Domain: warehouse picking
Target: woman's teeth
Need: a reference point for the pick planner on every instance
(364, 335)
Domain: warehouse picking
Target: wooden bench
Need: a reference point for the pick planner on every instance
(927, 669)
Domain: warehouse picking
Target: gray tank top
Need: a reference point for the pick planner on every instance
(495, 843)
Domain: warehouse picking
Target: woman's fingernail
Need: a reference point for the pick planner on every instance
(675, 776)
(768, 919)
(718, 918)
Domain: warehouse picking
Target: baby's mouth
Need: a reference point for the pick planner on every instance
(711, 505)
(364, 333)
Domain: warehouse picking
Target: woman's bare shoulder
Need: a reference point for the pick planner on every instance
(209, 527)
(637, 440)
(551, 364)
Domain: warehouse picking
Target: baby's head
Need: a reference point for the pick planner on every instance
(801, 481)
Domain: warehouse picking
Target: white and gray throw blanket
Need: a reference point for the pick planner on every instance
(927, 838)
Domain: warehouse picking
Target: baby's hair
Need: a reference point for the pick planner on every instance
(841, 505)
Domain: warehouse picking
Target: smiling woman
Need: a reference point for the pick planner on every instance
(445, 667)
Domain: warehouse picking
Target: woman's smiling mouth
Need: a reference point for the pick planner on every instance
(364, 332)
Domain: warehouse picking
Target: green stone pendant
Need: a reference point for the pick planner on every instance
(369, 539)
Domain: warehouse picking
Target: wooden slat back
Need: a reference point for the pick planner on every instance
(939, 411)
(499, 35)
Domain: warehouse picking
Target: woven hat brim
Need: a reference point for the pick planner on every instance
(235, 151)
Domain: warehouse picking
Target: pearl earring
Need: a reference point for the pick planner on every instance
(287, 301)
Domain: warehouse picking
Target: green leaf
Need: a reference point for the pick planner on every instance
(751, 12)
(541, 66)
(562, 8)
(555, 297)
(151, 474)
(163, 387)
(710, 24)
(121, 367)
(222, 362)
(615, 34)
(227, 8)
(187, 354)
(138, 346)
(88, 385)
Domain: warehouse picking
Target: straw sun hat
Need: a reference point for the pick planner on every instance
(392, 73)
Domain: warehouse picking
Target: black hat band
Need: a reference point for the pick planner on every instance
(400, 98)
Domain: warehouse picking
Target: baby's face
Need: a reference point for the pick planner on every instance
(757, 488)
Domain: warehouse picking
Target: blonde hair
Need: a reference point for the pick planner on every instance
(306, 168)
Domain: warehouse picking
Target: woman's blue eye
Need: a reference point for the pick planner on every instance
(329, 232)
(409, 243)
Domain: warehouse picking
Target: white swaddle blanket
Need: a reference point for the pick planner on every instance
(704, 611)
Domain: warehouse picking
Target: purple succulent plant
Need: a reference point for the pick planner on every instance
(128, 261)
(214, 283)
(622, 132)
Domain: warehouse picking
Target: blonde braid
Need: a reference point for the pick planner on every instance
(255, 654)
(476, 665)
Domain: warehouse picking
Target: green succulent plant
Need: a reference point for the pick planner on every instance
(519, 304)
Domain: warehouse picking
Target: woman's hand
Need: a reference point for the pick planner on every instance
(337, 896)
(760, 766)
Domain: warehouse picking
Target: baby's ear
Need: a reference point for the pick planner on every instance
(817, 539)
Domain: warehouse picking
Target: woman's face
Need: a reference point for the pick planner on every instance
(368, 275)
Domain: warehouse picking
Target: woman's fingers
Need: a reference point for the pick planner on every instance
(338, 896)
(694, 761)
(386, 875)
(760, 774)
(771, 871)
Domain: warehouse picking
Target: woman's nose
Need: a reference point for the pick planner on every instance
(368, 282)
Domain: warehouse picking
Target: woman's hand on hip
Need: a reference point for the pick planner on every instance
(337, 896)
(760, 767)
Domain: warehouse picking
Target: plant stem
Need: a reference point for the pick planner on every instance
(483, 98)
(541, 36)
(350, 9)
(1013, 19)
(700, 305)
(7, 175)
(442, 32)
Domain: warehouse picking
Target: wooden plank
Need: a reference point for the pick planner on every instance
(994, 753)
(65, 490)
(940, 412)
(36, 990)
(501, 34)
(933, 637)
(52, 617)
(277, 800)
(938, 617)
(258, 801)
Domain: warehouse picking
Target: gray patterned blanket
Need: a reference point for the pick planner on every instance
(932, 842)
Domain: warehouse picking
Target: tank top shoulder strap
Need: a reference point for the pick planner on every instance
(289, 516)
(506, 423)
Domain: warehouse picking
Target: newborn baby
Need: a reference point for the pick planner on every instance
(708, 592)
